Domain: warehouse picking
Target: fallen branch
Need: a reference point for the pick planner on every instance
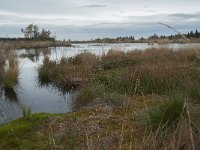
(183, 36)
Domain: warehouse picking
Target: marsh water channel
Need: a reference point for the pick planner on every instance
(45, 98)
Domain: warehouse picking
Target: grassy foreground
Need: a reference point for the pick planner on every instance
(98, 127)
(102, 126)
(20, 133)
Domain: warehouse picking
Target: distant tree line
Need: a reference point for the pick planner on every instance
(153, 38)
(128, 39)
(193, 34)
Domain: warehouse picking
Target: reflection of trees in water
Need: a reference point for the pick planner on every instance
(34, 54)
(9, 98)
(11, 95)
(10, 105)
(37, 55)
(1, 73)
(2, 61)
(30, 54)
(45, 51)
(1, 90)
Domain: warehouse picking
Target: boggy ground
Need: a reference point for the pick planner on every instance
(99, 125)
(135, 100)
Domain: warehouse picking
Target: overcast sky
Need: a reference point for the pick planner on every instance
(86, 19)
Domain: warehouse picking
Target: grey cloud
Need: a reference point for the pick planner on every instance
(150, 10)
(173, 18)
(95, 6)
(185, 16)
(150, 18)
(105, 30)
(73, 19)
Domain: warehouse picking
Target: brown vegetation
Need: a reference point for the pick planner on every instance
(11, 73)
(8, 71)
(18, 44)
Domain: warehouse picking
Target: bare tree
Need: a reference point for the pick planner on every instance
(28, 31)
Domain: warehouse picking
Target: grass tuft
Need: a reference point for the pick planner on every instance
(166, 114)
(11, 74)
(26, 112)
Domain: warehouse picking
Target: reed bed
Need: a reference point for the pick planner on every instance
(9, 71)
(67, 74)
(154, 71)
(170, 121)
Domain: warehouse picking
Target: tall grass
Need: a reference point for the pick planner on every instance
(183, 134)
(11, 73)
(89, 94)
(175, 137)
(160, 79)
(68, 73)
(115, 59)
(26, 111)
(153, 71)
(166, 114)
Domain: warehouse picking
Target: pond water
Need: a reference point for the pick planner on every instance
(30, 93)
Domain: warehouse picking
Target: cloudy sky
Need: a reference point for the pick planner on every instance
(87, 19)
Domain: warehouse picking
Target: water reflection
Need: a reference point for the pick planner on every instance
(29, 56)
(35, 54)
(11, 95)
